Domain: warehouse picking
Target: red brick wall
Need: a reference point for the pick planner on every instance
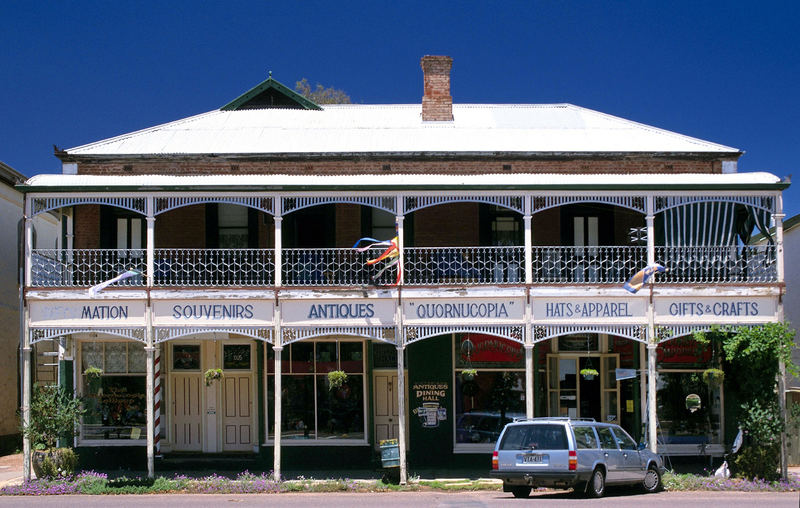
(451, 225)
(86, 224)
(182, 228)
(364, 167)
(348, 224)
(437, 103)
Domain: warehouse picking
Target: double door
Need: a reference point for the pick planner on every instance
(215, 415)
(575, 395)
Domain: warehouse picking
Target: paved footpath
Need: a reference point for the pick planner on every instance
(462, 499)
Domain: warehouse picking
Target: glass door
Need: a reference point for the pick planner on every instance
(573, 395)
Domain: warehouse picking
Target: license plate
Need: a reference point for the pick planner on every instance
(534, 458)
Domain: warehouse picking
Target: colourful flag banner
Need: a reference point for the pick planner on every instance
(640, 278)
(392, 253)
(96, 289)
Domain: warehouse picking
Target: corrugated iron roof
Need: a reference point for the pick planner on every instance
(399, 129)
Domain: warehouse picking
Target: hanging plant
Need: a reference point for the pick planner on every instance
(212, 375)
(336, 379)
(93, 372)
(469, 374)
(713, 377)
(589, 374)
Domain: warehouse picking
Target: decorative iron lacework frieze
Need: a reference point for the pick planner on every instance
(298, 333)
(164, 334)
(669, 332)
(134, 204)
(386, 203)
(539, 203)
(413, 203)
(766, 203)
(413, 334)
(40, 334)
(633, 332)
(264, 203)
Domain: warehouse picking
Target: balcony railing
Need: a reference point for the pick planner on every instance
(464, 265)
(591, 265)
(708, 265)
(84, 267)
(423, 266)
(213, 267)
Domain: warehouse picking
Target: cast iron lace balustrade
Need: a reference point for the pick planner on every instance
(85, 267)
(612, 264)
(334, 267)
(742, 263)
(213, 267)
(464, 265)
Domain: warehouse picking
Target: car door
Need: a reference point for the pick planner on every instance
(611, 454)
(631, 469)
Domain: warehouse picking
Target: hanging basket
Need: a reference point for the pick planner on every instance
(713, 377)
(468, 374)
(212, 375)
(589, 374)
(336, 379)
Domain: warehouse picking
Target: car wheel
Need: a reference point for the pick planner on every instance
(597, 484)
(652, 480)
(522, 492)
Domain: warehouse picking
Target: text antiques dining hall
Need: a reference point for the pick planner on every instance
(296, 282)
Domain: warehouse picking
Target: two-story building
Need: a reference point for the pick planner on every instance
(516, 224)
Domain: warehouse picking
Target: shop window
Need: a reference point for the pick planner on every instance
(495, 394)
(232, 221)
(186, 357)
(113, 388)
(311, 408)
(236, 356)
(688, 424)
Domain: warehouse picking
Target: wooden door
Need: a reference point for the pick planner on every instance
(186, 412)
(237, 424)
(387, 424)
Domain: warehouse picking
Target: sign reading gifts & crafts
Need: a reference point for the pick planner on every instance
(87, 313)
(716, 310)
(576, 309)
(213, 312)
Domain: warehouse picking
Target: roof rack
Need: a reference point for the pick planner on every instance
(559, 418)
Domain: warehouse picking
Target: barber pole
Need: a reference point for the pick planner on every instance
(157, 400)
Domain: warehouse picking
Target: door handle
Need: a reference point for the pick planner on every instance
(606, 455)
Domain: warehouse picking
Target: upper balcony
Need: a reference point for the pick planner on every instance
(423, 266)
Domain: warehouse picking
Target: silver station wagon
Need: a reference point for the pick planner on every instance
(572, 453)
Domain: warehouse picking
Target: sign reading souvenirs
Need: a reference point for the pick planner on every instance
(474, 310)
(710, 310)
(360, 312)
(569, 310)
(87, 313)
(212, 312)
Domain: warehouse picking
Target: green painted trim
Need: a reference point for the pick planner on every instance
(267, 84)
(384, 188)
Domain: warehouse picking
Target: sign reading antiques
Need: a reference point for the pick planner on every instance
(589, 309)
(87, 313)
(212, 312)
(356, 312)
(474, 310)
(716, 310)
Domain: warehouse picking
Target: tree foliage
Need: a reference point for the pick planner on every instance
(53, 413)
(321, 94)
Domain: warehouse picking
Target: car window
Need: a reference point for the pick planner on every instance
(624, 440)
(535, 437)
(607, 441)
(584, 437)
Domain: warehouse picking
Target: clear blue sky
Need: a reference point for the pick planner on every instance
(727, 71)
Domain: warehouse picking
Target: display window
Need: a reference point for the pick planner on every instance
(112, 384)
(314, 406)
(489, 387)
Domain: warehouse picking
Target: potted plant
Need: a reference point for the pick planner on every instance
(589, 373)
(54, 414)
(336, 379)
(713, 377)
(212, 375)
(468, 374)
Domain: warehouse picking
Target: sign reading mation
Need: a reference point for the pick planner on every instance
(80, 313)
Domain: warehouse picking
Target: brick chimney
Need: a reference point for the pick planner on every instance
(437, 104)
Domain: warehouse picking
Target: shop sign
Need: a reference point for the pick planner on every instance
(212, 312)
(432, 396)
(683, 350)
(472, 310)
(354, 312)
(717, 309)
(87, 313)
(571, 310)
(488, 350)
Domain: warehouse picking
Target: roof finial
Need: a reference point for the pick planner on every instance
(270, 74)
